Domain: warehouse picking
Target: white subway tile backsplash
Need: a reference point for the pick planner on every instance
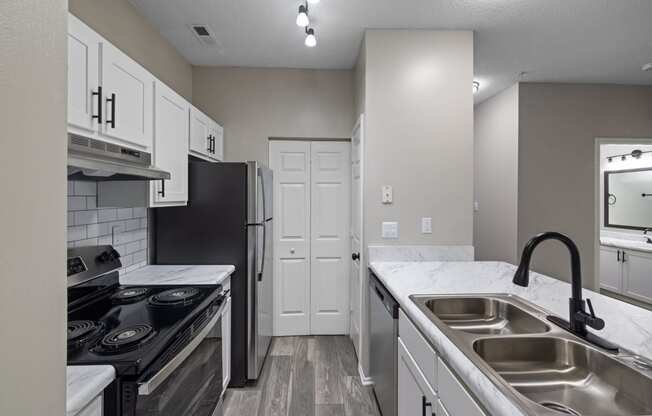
(86, 217)
(76, 203)
(140, 212)
(109, 214)
(85, 188)
(124, 228)
(125, 213)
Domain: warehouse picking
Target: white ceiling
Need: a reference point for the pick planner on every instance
(594, 41)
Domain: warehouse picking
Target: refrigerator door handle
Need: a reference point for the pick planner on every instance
(262, 260)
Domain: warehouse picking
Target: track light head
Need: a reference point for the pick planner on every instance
(302, 17)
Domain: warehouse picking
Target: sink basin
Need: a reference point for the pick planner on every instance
(484, 315)
(566, 376)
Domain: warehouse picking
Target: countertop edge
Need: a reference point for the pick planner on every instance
(84, 383)
(178, 275)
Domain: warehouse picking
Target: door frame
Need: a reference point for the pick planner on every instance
(269, 161)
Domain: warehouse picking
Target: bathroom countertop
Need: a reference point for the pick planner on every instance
(84, 383)
(626, 325)
(626, 244)
(178, 275)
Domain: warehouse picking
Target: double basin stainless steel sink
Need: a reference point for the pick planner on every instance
(541, 367)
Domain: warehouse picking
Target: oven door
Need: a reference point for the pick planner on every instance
(191, 383)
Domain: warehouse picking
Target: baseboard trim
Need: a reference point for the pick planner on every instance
(366, 381)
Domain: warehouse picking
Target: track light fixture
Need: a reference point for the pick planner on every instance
(311, 40)
(302, 17)
(476, 86)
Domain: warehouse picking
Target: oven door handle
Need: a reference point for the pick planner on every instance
(148, 387)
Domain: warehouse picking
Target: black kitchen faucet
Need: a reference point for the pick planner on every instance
(579, 319)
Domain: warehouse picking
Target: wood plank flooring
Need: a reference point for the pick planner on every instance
(305, 376)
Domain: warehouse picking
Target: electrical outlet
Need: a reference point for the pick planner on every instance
(390, 230)
(388, 194)
(426, 225)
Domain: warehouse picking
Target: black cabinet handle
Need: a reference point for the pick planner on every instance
(112, 101)
(624, 257)
(98, 93)
(162, 191)
(212, 144)
(618, 256)
(355, 256)
(424, 405)
(208, 138)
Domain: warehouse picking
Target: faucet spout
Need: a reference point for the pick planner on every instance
(579, 319)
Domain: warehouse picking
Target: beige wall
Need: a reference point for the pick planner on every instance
(121, 24)
(360, 87)
(33, 212)
(419, 134)
(496, 177)
(255, 104)
(558, 125)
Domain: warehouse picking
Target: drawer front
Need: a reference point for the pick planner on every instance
(456, 400)
(419, 348)
(94, 408)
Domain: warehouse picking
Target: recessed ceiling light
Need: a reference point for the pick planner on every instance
(302, 17)
(647, 67)
(476, 86)
(311, 40)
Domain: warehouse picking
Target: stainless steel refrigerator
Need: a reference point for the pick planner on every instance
(228, 220)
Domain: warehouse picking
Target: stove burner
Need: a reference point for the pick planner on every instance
(130, 294)
(183, 296)
(80, 332)
(125, 339)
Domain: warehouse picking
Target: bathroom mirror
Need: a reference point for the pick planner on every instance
(628, 198)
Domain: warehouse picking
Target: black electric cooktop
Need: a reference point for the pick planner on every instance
(134, 328)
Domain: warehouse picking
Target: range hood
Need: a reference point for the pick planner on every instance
(96, 160)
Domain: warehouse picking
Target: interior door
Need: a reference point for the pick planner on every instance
(330, 196)
(290, 161)
(83, 75)
(171, 146)
(356, 234)
(128, 100)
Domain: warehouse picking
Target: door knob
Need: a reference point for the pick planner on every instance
(355, 256)
(292, 251)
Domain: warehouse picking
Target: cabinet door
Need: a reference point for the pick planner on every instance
(610, 269)
(226, 344)
(128, 98)
(218, 147)
(83, 74)
(171, 146)
(638, 276)
(200, 131)
(414, 396)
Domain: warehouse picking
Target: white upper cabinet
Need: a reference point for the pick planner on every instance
(110, 96)
(206, 136)
(83, 82)
(128, 98)
(170, 146)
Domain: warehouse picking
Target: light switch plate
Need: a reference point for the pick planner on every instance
(426, 225)
(388, 194)
(390, 230)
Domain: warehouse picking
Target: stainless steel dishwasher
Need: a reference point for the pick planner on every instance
(383, 327)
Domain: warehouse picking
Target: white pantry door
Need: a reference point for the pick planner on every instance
(290, 161)
(356, 234)
(330, 208)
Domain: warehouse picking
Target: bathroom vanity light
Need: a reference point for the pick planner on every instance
(636, 154)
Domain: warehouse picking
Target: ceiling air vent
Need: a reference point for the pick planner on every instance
(204, 34)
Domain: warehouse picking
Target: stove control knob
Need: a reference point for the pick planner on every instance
(104, 257)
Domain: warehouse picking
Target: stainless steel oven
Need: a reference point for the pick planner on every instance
(191, 382)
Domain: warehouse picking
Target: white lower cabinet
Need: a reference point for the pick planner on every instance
(626, 272)
(226, 344)
(415, 396)
(426, 385)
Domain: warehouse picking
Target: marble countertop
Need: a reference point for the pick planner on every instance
(84, 383)
(177, 275)
(626, 243)
(626, 325)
